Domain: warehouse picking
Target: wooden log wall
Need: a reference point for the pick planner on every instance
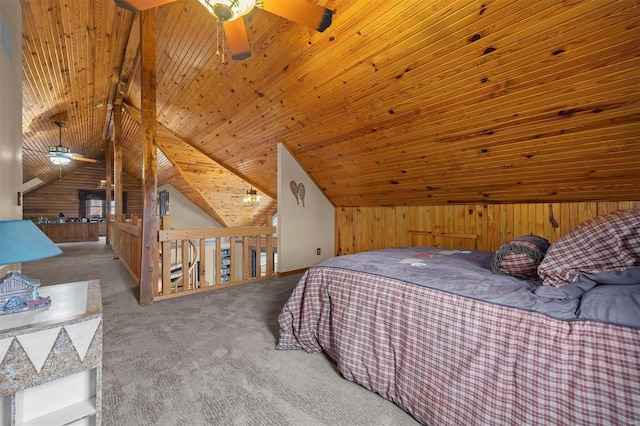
(62, 195)
(369, 228)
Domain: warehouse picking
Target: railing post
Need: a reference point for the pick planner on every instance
(166, 257)
(269, 255)
(150, 248)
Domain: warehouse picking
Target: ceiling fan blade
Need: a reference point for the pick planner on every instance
(84, 159)
(300, 11)
(237, 40)
(138, 5)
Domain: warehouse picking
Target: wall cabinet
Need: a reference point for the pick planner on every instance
(51, 359)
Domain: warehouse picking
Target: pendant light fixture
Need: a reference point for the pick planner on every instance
(252, 198)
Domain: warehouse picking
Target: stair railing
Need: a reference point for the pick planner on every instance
(215, 258)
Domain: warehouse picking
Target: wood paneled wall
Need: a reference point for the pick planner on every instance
(369, 228)
(62, 195)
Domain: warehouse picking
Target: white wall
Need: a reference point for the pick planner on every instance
(10, 109)
(302, 230)
(10, 112)
(185, 214)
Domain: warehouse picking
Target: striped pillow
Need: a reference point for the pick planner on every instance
(610, 242)
(520, 257)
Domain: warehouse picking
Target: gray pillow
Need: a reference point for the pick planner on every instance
(626, 276)
(618, 304)
(568, 291)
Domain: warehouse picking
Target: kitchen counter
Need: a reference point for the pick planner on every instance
(70, 232)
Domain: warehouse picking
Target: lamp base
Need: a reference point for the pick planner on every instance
(19, 293)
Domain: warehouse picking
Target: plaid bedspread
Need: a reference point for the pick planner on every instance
(453, 360)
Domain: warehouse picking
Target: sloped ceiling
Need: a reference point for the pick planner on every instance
(214, 184)
(398, 102)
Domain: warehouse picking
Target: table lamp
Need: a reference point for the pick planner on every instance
(22, 241)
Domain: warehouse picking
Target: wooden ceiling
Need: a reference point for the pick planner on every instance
(398, 102)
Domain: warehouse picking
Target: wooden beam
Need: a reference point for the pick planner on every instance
(117, 179)
(129, 62)
(108, 192)
(149, 262)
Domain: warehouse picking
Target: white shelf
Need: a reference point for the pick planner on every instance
(66, 415)
(58, 402)
(5, 409)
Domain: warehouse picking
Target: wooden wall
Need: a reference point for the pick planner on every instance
(62, 195)
(369, 228)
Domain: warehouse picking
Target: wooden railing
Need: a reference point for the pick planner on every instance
(131, 246)
(178, 257)
(213, 258)
(195, 260)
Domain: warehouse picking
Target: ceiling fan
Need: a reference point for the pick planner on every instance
(62, 155)
(230, 13)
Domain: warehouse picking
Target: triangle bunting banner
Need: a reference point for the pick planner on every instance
(4, 347)
(81, 335)
(38, 345)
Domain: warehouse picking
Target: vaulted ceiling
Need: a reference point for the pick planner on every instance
(398, 102)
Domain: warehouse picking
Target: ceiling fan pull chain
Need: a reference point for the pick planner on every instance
(217, 38)
(219, 41)
(223, 47)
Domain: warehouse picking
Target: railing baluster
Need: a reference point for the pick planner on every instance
(234, 259)
(246, 260)
(202, 264)
(218, 263)
(186, 284)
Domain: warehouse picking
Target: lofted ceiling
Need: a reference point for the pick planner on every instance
(398, 102)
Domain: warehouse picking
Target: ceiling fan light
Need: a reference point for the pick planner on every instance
(60, 160)
(58, 153)
(228, 10)
(59, 149)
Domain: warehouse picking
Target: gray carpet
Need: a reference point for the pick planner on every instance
(209, 359)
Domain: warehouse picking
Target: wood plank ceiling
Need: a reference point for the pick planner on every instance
(398, 102)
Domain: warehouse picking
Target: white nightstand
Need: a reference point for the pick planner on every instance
(51, 359)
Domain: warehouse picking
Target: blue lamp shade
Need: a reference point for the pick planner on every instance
(22, 241)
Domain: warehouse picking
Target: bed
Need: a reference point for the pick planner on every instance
(452, 342)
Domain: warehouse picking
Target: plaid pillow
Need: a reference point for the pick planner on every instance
(520, 257)
(610, 242)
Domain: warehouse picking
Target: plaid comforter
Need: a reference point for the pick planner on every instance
(453, 360)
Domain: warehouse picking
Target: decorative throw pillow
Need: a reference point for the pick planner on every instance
(520, 257)
(610, 242)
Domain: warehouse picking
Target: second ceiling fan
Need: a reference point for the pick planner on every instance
(230, 13)
(61, 155)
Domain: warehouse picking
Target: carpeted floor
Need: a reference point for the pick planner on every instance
(208, 359)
